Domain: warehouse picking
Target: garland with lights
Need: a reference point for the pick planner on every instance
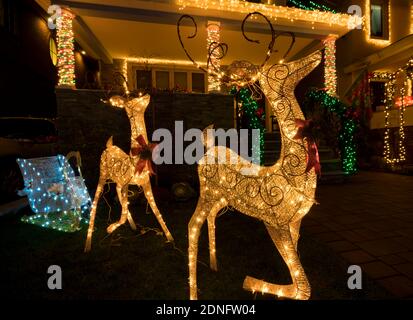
(310, 6)
(65, 49)
(390, 87)
(348, 127)
(254, 115)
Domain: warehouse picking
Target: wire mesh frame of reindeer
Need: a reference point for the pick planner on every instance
(122, 169)
(279, 195)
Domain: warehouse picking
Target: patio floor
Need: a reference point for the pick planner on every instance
(369, 222)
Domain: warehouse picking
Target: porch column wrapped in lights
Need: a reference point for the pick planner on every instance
(66, 49)
(330, 72)
(213, 38)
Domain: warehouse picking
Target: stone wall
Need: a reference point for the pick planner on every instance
(85, 123)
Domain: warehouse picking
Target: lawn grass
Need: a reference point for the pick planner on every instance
(131, 265)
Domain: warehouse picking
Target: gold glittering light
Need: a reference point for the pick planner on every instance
(66, 49)
(279, 195)
(330, 72)
(119, 167)
(389, 154)
(213, 39)
(275, 12)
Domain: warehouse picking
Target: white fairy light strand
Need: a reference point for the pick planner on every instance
(275, 12)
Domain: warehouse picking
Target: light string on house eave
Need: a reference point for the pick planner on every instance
(274, 12)
(411, 18)
(390, 89)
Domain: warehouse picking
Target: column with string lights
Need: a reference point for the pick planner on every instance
(66, 49)
(213, 40)
(330, 72)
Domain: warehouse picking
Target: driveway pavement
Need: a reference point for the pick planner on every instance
(369, 222)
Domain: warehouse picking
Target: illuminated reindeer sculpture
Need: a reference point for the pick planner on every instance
(125, 170)
(279, 195)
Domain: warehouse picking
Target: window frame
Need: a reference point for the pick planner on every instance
(171, 69)
(386, 21)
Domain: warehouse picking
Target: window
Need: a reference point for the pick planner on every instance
(143, 80)
(53, 51)
(376, 20)
(379, 19)
(162, 80)
(198, 82)
(181, 81)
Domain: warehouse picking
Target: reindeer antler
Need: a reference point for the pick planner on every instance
(186, 16)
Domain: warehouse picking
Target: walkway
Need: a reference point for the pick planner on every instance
(369, 222)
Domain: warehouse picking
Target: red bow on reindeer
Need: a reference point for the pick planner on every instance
(144, 151)
(305, 128)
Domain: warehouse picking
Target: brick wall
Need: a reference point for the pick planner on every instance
(85, 123)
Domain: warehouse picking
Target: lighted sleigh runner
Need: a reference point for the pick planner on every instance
(279, 195)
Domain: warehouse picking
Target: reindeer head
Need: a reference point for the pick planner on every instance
(134, 106)
(238, 73)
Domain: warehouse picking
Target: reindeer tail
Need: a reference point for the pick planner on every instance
(109, 143)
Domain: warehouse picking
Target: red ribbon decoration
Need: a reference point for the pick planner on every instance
(144, 151)
(305, 131)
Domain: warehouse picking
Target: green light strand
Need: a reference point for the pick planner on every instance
(311, 6)
(346, 135)
(250, 107)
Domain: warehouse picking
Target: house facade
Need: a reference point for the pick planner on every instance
(139, 39)
(381, 52)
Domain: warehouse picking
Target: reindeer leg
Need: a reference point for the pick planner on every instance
(131, 222)
(98, 193)
(194, 230)
(300, 289)
(147, 189)
(123, 199)
(211, 234)
(295, 232)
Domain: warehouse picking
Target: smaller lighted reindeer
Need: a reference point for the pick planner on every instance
(124, 170)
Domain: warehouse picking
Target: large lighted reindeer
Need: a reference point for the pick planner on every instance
(127, 169)
(279, 195)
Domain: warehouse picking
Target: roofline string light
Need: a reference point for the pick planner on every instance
(66, 49)
(274, 12)
(411, 19)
